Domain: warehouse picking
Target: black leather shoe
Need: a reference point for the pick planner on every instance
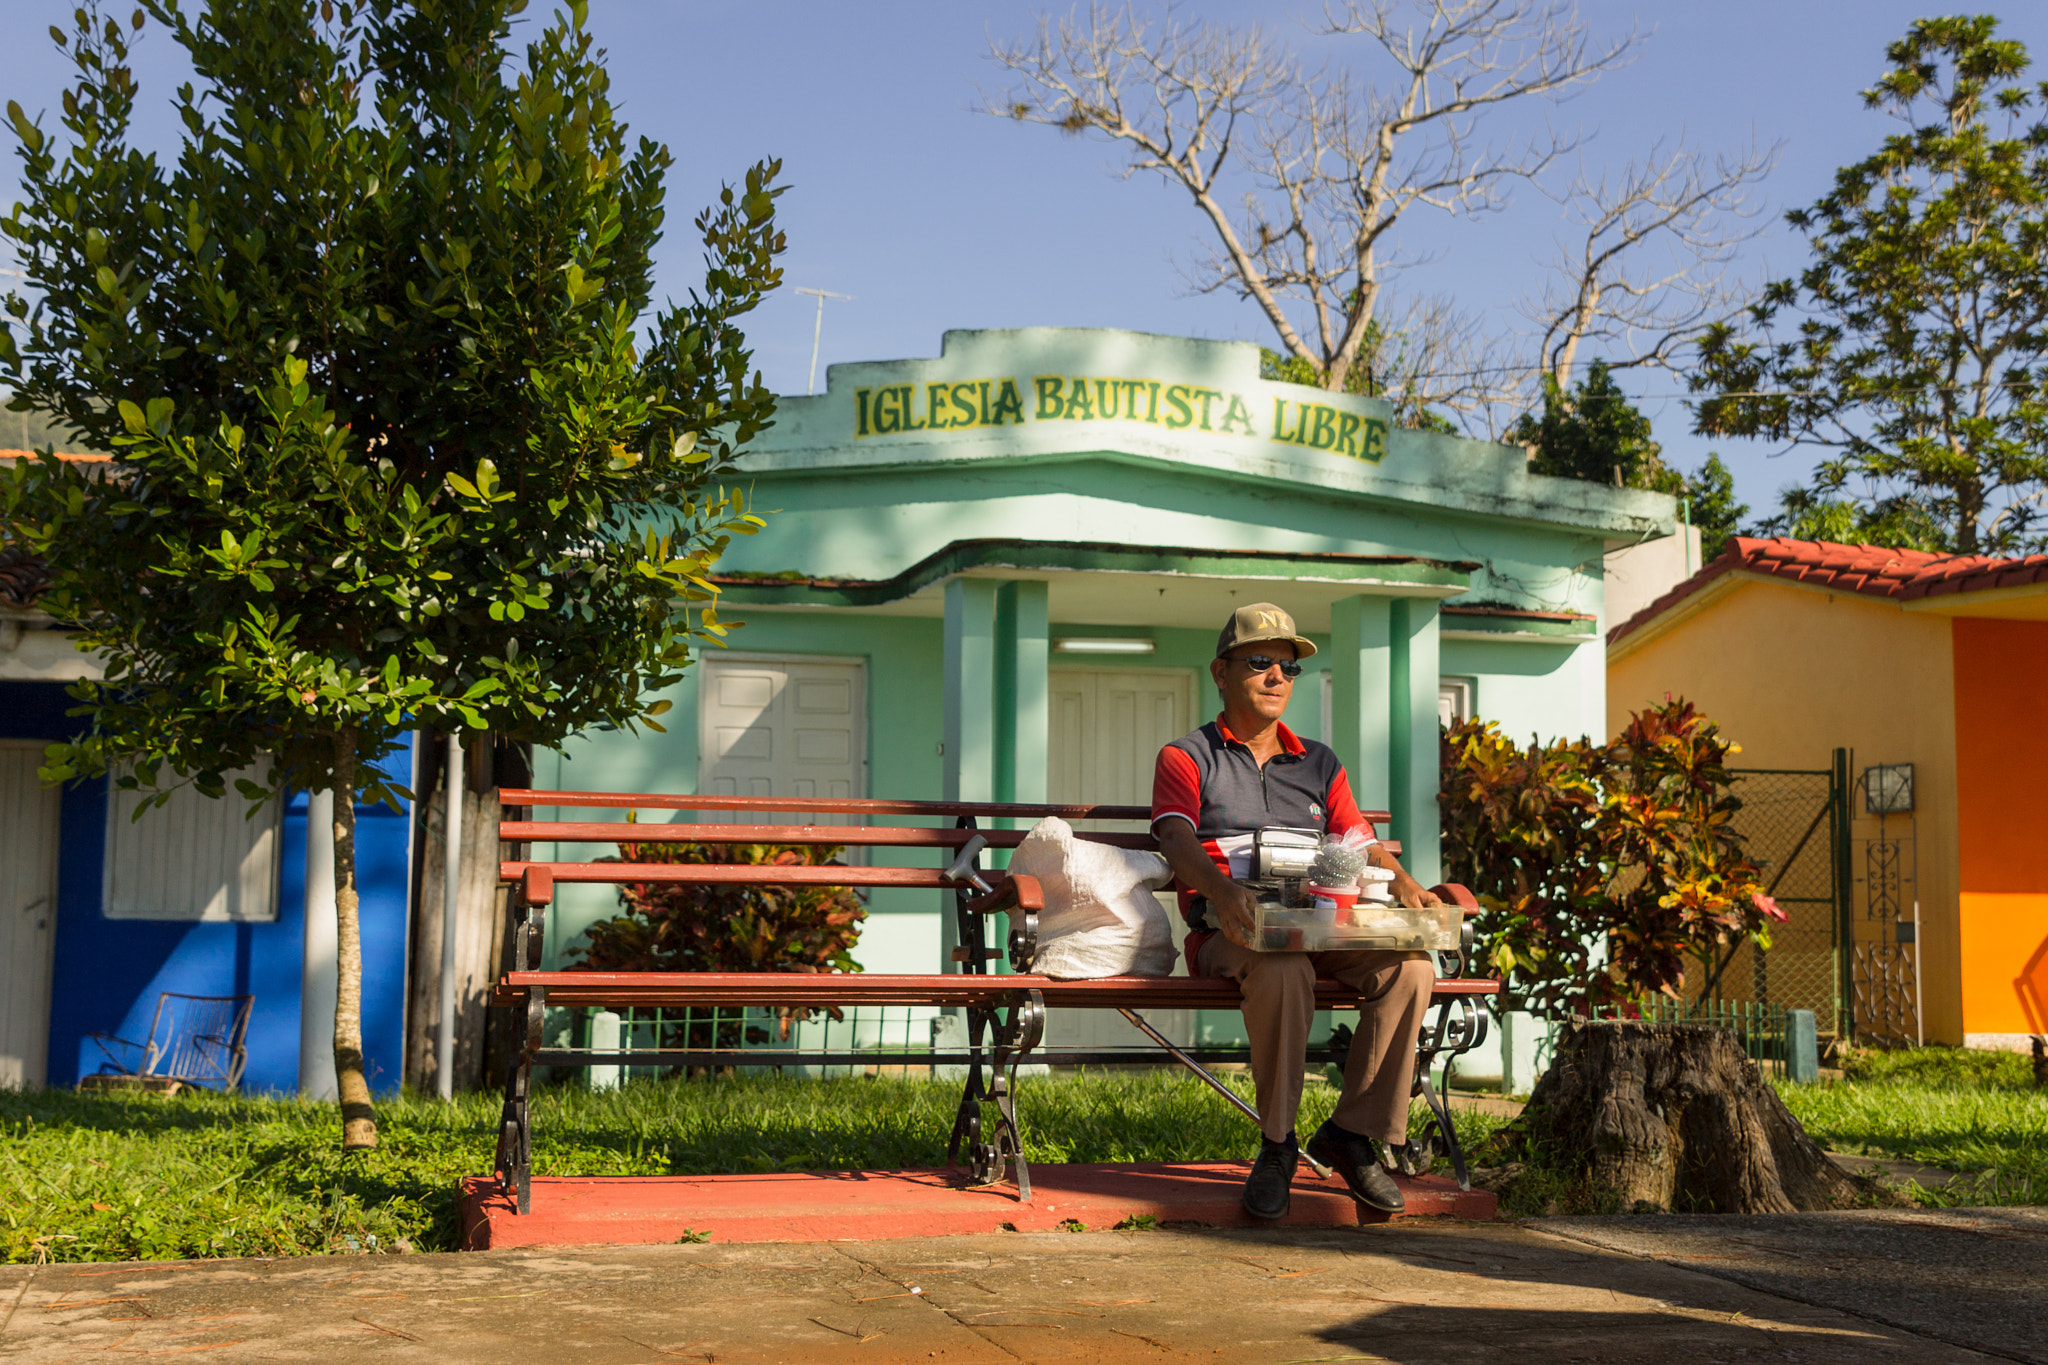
(1266, 1189)
(1353, 1157)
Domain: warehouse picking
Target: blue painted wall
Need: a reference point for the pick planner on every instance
(108, 973)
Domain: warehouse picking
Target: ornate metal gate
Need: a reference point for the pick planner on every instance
(1885, 908)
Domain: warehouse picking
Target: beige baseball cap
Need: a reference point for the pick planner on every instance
(1261, 621)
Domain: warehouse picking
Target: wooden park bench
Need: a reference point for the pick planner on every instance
(1006, 1009)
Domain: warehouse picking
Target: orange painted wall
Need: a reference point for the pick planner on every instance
(2001, 689)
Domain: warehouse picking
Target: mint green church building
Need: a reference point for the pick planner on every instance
(999, 575)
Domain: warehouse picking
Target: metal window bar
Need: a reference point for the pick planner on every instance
(888, 1037)
(870, 1040)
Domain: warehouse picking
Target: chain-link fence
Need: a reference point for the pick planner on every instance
(1787, 822)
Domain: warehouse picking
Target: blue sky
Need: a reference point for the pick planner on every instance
(934, 217)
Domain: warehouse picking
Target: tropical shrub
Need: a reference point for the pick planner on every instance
(1579, 849)
(685, 927)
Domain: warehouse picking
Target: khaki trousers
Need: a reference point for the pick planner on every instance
(1280, 1005)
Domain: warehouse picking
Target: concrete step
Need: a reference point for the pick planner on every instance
(818, 1206)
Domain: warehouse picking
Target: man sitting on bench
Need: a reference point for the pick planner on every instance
(1211, 791)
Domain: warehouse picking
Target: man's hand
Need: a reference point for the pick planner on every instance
(1236, 905)
(1409, 892)
(1237, 912)
(1406, 890)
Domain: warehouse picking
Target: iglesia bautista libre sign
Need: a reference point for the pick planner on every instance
(966, 404)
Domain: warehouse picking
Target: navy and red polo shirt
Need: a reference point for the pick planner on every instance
(1211, 780)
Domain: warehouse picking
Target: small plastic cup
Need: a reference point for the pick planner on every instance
(1334, 897)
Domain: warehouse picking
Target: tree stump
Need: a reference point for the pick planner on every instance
(1675, 1118)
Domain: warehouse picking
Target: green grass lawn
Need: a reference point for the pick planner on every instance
(107, 1177)
(103, 1177)
(1970, 1111)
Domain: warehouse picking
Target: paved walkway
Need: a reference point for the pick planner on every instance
(1820, 1289)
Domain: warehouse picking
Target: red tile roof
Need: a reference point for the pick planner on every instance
(1872, 570)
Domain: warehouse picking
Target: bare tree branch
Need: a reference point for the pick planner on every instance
(1650, 271)
(1323, 167)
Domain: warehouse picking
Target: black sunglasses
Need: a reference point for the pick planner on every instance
(1259, 663)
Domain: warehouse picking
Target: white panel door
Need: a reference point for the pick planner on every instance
(28, 913)
(782, 727)
(1107, 728)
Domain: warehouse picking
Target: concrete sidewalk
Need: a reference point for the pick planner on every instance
(1624, 1290)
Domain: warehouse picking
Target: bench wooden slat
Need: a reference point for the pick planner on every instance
(526, 797)
(800, 989)
(522, 796)
(864, 836)
(742, 874)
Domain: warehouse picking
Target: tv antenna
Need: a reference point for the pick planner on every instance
(818, 330)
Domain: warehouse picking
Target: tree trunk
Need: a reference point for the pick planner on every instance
(1673, 1117)
(358, 1112)
(479, 914)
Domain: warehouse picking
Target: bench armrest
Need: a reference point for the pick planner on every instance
(1023, 900)
(1455, 963)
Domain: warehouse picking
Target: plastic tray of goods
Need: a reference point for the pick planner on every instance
(1365, 925)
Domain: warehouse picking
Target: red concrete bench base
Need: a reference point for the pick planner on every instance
(863, 1206)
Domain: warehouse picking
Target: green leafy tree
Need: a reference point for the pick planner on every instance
(1387, 369)
(1593, 432)
(1911, 346)
(390, 454)
(1824, 511)
(1712, 505)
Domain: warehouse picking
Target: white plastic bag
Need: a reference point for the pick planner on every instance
(1100, 916)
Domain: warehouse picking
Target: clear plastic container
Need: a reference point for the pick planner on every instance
(1366, 925)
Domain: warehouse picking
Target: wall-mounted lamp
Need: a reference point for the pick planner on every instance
(1888, 789)
(1083, 644)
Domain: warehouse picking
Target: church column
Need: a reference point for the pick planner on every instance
(1361, 698)
(1415, 758)
(1023, 653)
(969, 736)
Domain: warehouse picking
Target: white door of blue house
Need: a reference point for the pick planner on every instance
(28, 913)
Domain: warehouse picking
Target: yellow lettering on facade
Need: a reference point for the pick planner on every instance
(1009, 406)
(1237, 414)
(1347, 433)
(1375, 440)
(1182, 413)
(1323, 434)
(1080, 407)
(1051, 404)
(965, 404)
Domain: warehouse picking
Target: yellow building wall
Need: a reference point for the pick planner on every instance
(1791, 673)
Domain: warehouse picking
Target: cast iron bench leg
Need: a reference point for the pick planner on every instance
(967, 1122)
(1022, 1032)
(515, 1137)
(1451, 1036)
(515, 1123)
